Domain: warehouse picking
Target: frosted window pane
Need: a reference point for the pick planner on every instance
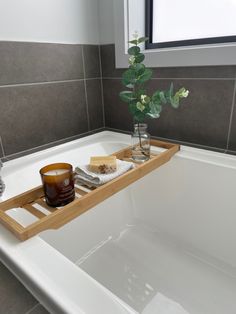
(175, 20)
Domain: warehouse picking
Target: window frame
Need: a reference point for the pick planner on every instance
(196, 55)
(178, 43)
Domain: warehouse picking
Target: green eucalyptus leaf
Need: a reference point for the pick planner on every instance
(163, 97)
(140, 106)
(127, 84)
(139, 68)
(127, 96)
(133, 50)
(147, 74)
(155, 110)
(139, 116)
(140, 92)
(142, 39)
(139, 58)
(153, 115)
(129, 78)
(156, 97)
(132, 108)
(133, 42)
(175, 101)
(169, 93)
(171, 90)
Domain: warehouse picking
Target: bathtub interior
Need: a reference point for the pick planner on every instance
(157, 238)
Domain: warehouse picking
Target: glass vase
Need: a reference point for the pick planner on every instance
(140, 143)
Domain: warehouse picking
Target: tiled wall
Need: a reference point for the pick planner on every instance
(205, 119)
(48, 93)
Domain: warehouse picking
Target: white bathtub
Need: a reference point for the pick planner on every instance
(164, 245)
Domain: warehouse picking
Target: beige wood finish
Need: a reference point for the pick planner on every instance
(61, 216)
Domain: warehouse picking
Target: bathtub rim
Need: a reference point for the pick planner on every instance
(193, 153)
(47, 289)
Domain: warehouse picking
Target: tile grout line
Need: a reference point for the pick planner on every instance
(33, 308)
(51, 144)
(2, 148)
(231, 117)
(222, 150)
(179, 78)
(48, 82)
(102, 87)
(85, 88)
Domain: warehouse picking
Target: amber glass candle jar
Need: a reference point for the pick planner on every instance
(58, 184)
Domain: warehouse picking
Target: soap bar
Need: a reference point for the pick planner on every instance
(103, 164)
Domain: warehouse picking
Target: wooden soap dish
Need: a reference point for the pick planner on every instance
(86, 198)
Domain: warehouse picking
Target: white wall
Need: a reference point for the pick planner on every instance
(106, 21)
(62, 21)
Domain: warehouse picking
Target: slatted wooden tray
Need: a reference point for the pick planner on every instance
(85, 198)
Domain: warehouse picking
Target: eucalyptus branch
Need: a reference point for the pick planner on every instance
(140, 104)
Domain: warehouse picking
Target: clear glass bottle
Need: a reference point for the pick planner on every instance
(140, 143)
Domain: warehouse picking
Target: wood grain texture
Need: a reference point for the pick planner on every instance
(61, 216)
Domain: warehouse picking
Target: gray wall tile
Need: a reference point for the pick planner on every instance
(14, 298)
(203, 118)
(95, 106)
(39, 62)
(108, 62)
(91, 61)
(39, 114)
(196, 72)
(116, 111)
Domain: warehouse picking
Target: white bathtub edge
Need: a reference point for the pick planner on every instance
(29, 262)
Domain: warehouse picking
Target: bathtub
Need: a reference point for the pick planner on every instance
(164, 245)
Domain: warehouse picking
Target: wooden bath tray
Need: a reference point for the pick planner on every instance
(85, 198)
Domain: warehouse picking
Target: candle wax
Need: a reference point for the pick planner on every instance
(56, 172)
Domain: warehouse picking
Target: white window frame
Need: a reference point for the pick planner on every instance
(126, 23)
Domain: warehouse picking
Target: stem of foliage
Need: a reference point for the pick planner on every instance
(140, 142)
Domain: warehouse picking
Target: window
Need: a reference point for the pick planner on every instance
(130, 16)
(173, 23)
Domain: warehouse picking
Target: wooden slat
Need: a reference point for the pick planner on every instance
(34, 211)
(123, 153)
(63, 215)
(79, 191)
(22, 199)
(43, 203)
